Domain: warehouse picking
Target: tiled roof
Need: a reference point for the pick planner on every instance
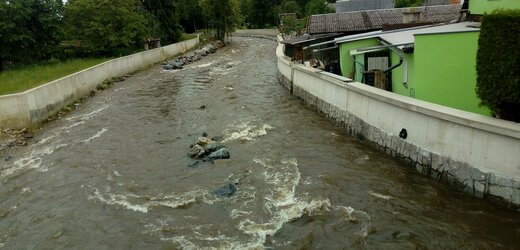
(375, 19)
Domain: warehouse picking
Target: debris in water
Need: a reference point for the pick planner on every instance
(194, 164)
(202, 107)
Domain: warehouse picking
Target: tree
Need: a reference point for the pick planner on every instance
(263, 13)
(498, 57)
(314, 7)
(291, 6)
(292, 26)
(107, 27)
(223, 15)
(30, 30)
(165, 12)
(190, 15)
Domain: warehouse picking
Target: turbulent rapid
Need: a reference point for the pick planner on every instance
(115, 173)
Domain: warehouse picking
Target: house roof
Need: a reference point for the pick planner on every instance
(375, 19)
(407, 36)
(309, 38)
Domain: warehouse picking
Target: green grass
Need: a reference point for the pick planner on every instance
(186, 37)
(20, 80)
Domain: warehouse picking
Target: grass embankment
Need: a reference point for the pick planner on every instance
(20, 80)
(186, 37)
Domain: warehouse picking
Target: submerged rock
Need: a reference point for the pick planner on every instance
(226, 191)
(193, 164)
(222, 153)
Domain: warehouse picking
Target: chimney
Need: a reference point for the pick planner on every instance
(412, 15)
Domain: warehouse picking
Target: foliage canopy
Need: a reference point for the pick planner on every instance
(498, 60)
(107, 27)
(30, 30)
(223, 15)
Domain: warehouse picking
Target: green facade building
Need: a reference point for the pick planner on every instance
(480, 7)
(433, 63)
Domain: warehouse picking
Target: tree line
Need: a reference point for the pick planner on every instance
(33, 31)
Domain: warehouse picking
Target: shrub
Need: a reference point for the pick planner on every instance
(498, 64)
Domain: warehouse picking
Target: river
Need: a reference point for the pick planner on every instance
(113, 174)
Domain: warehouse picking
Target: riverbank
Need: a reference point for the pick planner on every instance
(20, 80)
(474, 153)
(32, 107)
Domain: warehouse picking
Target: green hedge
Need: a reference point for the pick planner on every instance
(498, 64)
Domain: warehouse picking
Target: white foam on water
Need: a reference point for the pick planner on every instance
(202, 65)
(97, 135)
(32, 161)
(381, 196)
(143, 203)
(237, 213)
(74, 125)
(26, 190)
(46, 139)
(281, 203)
(245, 131)
(352, 215)
(88, 116)
(118, 200)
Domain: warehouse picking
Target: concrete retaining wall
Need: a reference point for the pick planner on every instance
(30, 108)
(475, 153)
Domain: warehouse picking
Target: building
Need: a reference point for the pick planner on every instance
(435, 63)
(479, 7)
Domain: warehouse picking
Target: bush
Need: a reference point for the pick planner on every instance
(498, 64)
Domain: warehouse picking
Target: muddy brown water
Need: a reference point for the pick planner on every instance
(114, 174)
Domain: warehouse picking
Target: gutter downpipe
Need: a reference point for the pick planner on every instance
(401, 60)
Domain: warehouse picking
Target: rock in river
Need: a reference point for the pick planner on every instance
(222, 153)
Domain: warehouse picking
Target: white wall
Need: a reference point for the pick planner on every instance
(31, 107)
(479, 152)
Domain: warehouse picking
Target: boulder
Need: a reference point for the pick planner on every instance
(196, 151)
(201, 52)
(168, 67)
(203, 141)
(219, 44)
(211, 48)
(213, 147)
(222, 153)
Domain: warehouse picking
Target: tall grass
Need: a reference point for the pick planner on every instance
(20, 80)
